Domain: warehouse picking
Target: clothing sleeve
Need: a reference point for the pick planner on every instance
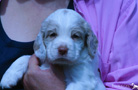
(115, 23)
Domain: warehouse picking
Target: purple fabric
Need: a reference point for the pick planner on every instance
(115, 23)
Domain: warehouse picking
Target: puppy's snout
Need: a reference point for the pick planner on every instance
(62, 50)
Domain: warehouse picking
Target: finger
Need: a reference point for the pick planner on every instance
(33, 62)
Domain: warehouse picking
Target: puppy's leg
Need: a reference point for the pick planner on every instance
(15, 72)
(75, 86)
(82, 85)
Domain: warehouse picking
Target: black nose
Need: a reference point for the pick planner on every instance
(62, 50)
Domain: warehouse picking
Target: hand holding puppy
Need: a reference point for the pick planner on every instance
(37, 79)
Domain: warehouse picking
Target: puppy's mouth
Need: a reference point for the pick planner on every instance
(62, 61)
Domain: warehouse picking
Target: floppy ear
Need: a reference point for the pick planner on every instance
(91, 41)
(40, 47)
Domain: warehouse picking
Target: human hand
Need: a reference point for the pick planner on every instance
(37, 79)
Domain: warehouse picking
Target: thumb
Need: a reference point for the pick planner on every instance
(33, 62)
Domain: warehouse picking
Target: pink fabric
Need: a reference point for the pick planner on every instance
(115, 23)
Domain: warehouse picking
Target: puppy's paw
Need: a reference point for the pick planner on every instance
(9, 80)
(75, 86)
(15, 72)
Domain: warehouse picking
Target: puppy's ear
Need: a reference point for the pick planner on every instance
(91, 41)
(39, 46)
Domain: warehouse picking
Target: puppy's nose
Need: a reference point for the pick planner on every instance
(63, 50)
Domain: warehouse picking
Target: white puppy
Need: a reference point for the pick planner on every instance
(66, 39)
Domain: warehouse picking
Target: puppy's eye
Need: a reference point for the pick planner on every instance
(52, 35)
(75, 36)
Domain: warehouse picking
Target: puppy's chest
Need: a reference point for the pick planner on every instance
(77, 73)
(73, 73)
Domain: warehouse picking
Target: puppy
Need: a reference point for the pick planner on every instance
(66, 39)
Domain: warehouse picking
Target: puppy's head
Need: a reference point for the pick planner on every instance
(63, 37)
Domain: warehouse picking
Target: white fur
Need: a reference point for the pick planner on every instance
(15, 72)
(80, 68)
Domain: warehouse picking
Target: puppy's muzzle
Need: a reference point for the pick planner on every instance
(62, 50)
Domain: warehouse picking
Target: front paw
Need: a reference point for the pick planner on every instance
(15, 72)
(9, 79)
(75, 86)
(83, 85)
